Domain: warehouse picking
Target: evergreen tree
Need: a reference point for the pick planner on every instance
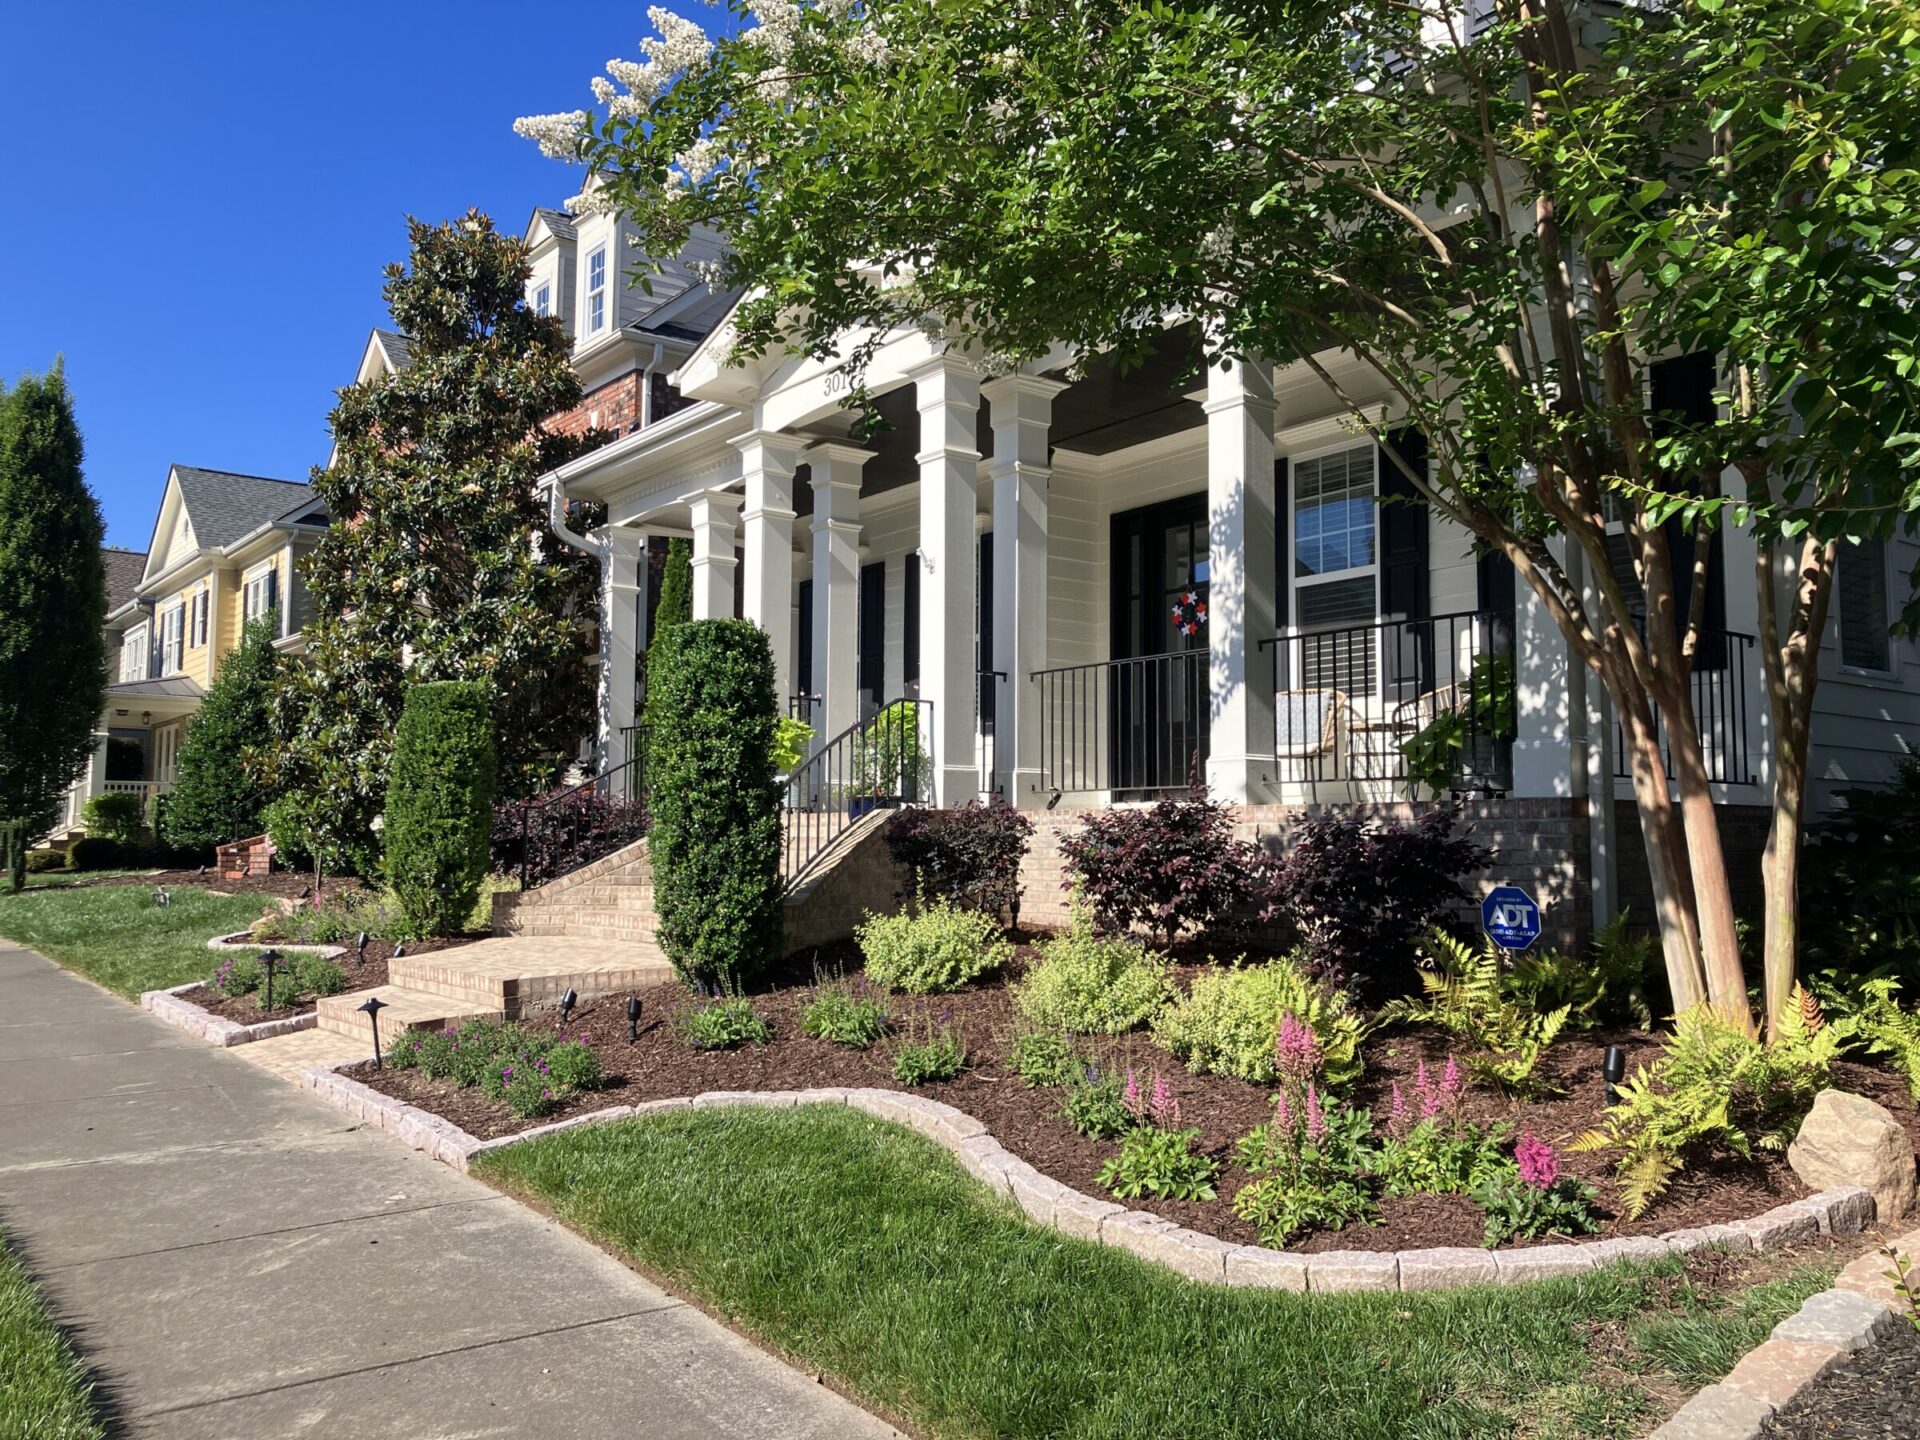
(675, 608)
(219, 794)
(53, 605)
(432, 570)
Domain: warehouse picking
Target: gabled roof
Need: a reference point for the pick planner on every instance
(558, 223)
(124, 569)
(223, 507)
(397, 348)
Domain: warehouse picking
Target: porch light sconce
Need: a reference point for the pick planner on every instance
(371, 1009)
(269, 959)
(146, 717)
(1613, 1065)
(567, 1002)
(633, 1019)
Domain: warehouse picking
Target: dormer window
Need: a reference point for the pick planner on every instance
(597, 291)
(543, 299)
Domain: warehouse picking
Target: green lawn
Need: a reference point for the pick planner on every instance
(865, 1252)
(44, 1394)
(65, 879)
(117, 936)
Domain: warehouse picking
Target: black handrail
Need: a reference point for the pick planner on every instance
(882, 762)
(560, 832)
(1133, 725)
(1717, 689)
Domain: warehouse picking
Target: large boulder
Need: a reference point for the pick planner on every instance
(1847, 1139)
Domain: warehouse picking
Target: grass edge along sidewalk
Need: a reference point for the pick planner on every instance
(867, 1254)
(117, 936)
(44, 1390)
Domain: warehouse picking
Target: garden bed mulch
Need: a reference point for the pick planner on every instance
(285, 884)
(245, 1009)
(1027, 1121)
(1872, 1395)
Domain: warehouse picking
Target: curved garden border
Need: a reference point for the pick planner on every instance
(217, 1029)
(1047, 1202)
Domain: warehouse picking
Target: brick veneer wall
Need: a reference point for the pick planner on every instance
(858, 877)
(1743, 834)
(614, 406)
(1541, 845)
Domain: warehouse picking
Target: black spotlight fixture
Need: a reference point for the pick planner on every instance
(398, 951)
(567, 1002)
(360, 948)
(203, 872)
(268, 960)
(305, 891)
(1613, 1065)
(633, 1019)
(371, 1009)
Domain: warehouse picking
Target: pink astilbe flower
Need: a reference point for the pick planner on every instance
(1316, 1118)
(1397, 1111)
(1452, 1083)
(1132, 1098)
(1296, 1052)
(1162, 1109)
(1283, 1113)
(1539, 1166)
(1425, 1092)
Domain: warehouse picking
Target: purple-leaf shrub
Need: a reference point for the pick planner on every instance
(969, 856)
(1173, 867)
(574, 828)
(1360, 892)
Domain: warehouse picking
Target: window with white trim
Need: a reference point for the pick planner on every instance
(543, 298)
(135, 654)
(197, 621)
(173, 630)
(1336, 575)
(597, 291)
(1860, 586)
(261, 592)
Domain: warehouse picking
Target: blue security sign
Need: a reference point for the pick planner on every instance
(1511, 917)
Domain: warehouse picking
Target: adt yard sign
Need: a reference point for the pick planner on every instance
(1510, 917)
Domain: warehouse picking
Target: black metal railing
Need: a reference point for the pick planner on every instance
(557, 833)
(987, 712)
(1427, 703)
(1125, 726)
(1718, 687)
(879, 763)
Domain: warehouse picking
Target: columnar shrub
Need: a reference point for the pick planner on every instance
(219, 795)
(439, 813)
(1173, 867)
(715, 838)
(970, 855)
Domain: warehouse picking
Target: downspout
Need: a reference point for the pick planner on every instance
(646, 384)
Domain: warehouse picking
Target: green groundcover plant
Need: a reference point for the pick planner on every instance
(935, 947)
(529, 1071)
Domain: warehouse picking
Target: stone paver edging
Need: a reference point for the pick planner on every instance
(1046, 1201)
(216, 1029)
(1862, 1307)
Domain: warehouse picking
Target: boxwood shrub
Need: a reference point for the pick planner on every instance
(715, 839)
(439, 816)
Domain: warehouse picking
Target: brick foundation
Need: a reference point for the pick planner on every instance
(1743, 834)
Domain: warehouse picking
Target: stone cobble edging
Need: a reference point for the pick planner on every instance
(217, 1029)
(1046, 1201)
(1863, 1305)
(222, 945)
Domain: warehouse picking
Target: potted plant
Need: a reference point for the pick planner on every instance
(890, 760)
(1464, 746)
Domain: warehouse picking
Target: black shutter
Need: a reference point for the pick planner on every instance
(803, 662)
(1282, 550)
(1405, 595)
(871, 673)
(910, 634)
(983, 662)
(1680, 391)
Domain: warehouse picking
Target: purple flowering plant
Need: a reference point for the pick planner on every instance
(1530, 1197)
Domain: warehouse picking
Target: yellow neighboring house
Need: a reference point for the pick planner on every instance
(223, 552)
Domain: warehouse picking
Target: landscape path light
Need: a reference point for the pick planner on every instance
(269, 959)
(567, 1002)
(1613, 1065)
(371, 1009)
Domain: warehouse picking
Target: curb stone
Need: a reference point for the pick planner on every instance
(1049, 1203)
(217, 1029)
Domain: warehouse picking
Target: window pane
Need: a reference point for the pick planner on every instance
(1333, 506)
(1862, 583)
(1336, 602)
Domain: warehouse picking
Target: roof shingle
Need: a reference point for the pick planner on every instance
(224, 506)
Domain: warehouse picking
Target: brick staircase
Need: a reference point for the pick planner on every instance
(611, 899)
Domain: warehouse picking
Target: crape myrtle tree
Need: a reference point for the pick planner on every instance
(434, 568)
(1497, 218)
(53, 605)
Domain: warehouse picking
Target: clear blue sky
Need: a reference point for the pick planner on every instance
(196, 201)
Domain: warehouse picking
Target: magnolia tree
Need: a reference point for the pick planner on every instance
(1500, 214)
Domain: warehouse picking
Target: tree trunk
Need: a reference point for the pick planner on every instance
(16, 848)
(1780, 872)
(1673, 900)
(1712, 892)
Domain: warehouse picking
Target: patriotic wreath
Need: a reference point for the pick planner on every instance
(1189, 613)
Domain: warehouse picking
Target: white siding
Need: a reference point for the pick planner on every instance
(1863, 724)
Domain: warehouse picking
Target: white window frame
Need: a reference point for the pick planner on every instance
(543, 298)
(136, 653)
(1866, 672)
(596, 294)
(173, 638)
(1295, 584)
(254, 600)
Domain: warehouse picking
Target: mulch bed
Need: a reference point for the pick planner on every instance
(1873, 1395)
(286, 884)
(661, 1065)
(245, 1009)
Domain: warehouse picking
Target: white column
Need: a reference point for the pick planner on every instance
(767, 461)
(836, 584)
(1547, 732)
(947, 395)
(1240, 602)
(1022, 412)
(623, 601)
(715, 517)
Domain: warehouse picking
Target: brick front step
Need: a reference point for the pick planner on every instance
(405, 1010)
(518, 974)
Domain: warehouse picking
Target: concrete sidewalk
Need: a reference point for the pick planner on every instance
(235, 1259)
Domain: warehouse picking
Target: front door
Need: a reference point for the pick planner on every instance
(1157, 684)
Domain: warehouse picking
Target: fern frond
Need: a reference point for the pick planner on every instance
(1643, 1178)
(1593, 1140)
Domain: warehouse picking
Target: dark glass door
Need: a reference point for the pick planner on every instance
(1158, 680)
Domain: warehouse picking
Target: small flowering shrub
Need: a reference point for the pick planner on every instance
(724, 1022)
(1162, 1163)
(1046, 1058)
(929, 1053)
(238, 975)
(941, 947)
(1229, 1023)
(295, 977)
(1430, 1148)
(1089, 986)
(1531, 1198)
(1311, 1163)
(318, 975)
(849, 1014)
(1096, 1108)
(530, 1072)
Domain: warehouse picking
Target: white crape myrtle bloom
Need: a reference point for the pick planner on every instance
(778, 29)
(700, 159)
(558, 136)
